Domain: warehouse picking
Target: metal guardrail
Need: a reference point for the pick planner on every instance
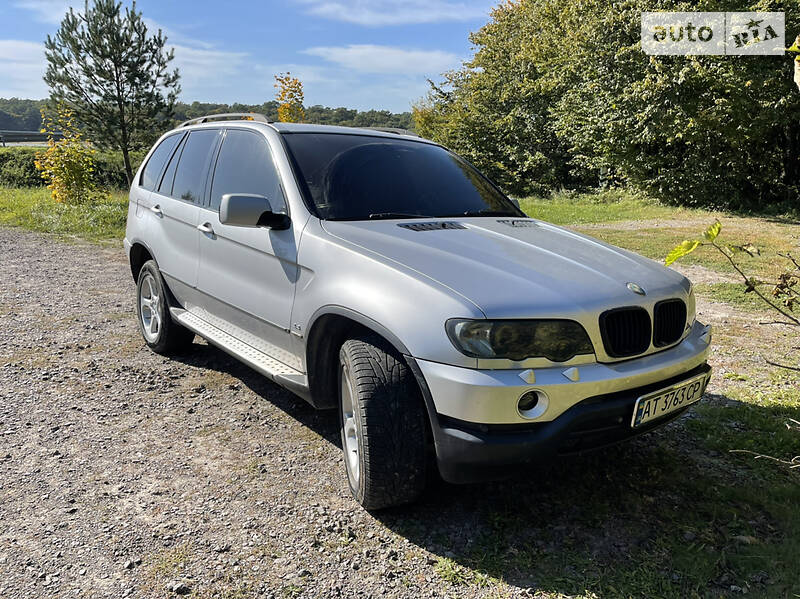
(18, 136)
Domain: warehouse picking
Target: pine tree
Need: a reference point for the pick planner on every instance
(112, 75)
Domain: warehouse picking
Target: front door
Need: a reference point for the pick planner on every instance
(247, 275)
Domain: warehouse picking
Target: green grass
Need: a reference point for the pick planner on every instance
(733, 294)
(657, 242)
(660, 519)
(34, 209)
(566, 208)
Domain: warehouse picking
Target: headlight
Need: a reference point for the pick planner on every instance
(556, 340)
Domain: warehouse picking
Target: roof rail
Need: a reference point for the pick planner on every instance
(246, 116)
(395, 130)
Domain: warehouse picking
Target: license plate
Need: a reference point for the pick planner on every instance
(665, 401)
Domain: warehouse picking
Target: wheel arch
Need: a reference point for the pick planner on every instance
(328, 329)
(138, 255)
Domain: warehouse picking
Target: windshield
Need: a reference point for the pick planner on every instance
(358, 177)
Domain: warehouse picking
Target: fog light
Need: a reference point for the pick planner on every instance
(532, 404)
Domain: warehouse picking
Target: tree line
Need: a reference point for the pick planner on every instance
(25, 115)
(559, 94)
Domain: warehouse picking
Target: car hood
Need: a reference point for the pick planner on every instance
(516, 267)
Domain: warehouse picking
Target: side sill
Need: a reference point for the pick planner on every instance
(286, 376)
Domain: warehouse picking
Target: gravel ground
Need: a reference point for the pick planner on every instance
(126, 474)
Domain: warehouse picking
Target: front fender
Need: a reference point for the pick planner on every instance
(406, 307)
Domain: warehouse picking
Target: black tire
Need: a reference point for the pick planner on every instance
(170, 337)
(388, 411)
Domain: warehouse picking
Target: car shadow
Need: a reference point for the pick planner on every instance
(563, 527)
(207, 356)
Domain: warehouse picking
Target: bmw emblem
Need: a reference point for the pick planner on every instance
(636, 289)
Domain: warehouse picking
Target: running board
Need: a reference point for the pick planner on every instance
(265, 364)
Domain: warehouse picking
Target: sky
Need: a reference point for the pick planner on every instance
(355, 53)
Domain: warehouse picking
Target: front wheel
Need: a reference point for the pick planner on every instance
(162, 334)
(382, 420)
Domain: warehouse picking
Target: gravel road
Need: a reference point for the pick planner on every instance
(126, 474)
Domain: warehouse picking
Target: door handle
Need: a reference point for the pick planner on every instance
(156, 210)
(205, 228)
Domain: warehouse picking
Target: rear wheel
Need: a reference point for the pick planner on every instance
(162, 334)
(382, 421)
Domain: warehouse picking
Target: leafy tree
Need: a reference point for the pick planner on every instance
(114, 76)
(559, 94)
(290, 98)
(68, 164)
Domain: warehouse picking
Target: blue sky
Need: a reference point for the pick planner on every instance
(355, 53)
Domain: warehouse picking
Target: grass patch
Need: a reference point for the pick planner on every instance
(657, 525)
(569, 208)
(763, 423)
(734, 294)
(34, 209)
(458, 575)
(656, 243)
(171, 562)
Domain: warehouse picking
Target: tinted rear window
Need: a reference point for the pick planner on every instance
(190, 176)
(157, 161)
(359, 177)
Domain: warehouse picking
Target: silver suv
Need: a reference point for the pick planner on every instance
(380, 274)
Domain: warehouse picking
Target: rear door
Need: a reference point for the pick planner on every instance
(247, 275)
(150, 176)
(174, 205)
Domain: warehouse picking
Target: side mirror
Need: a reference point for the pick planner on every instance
(250, 210)
(514, 201)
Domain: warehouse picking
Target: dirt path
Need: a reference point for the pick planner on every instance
(125, 474)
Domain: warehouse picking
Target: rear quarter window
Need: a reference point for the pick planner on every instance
(158, 159)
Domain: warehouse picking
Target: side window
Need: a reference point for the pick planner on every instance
(190, 176)
(165, 187)
(245, 166)
(158, 159)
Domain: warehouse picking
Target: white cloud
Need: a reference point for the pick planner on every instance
(374, 13)
(370, 58)
(205, 73)
(47, 11)
(174, 37)
(21, 69)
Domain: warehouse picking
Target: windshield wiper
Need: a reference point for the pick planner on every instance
(388, 215)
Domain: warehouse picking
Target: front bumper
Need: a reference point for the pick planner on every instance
(467, 452)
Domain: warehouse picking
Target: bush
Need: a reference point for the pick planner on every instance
(67, 165)
(17, 168)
